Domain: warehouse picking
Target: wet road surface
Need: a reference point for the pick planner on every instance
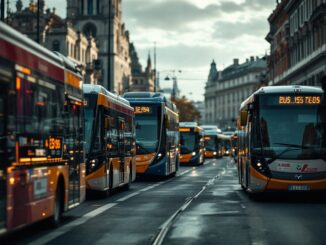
(203, 205)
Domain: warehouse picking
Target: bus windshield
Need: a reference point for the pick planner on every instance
(211, 143)
(290, 131)
(188, 141)
(147, 131)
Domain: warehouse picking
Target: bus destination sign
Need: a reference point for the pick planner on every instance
(143, 110)
(299, 100)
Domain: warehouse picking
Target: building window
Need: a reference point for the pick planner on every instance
(81, 7)
(98, 7)
(90, 7)
(56, 46)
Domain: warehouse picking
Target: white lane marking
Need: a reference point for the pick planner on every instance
(66, 228)
(127, 197)
(164, 228)
(184, 172)
(150, 187)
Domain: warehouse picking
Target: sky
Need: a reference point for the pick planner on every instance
(189, 34)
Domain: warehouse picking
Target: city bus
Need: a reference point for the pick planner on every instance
(110, 140)
(42, 169)
(225, 144)
(157, 133)
(282, 140)
(212, 145)
(192, 147)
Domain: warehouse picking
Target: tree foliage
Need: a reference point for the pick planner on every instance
(187, 111)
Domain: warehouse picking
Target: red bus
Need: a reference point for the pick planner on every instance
(42, 168)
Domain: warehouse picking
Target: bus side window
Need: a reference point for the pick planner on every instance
(109, 134)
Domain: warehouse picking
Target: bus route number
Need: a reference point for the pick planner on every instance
(142, 110)
(299, 100)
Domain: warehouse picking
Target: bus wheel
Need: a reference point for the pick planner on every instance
(110, 190)
(130, 177)
(58, 207)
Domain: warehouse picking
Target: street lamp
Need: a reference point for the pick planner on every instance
(175, 90)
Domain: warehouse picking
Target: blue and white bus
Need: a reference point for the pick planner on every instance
(157, 133)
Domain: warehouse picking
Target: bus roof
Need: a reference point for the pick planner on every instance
(188, 124)
(9, 34)
(92, 89)
(149, 97)
(281, 89)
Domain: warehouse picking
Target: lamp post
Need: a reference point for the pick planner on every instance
(175, 89)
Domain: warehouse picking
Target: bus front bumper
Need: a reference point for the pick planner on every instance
(261, 183)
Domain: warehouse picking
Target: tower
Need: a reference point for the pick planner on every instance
(102, 19)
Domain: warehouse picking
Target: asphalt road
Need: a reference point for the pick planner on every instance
(203, 205)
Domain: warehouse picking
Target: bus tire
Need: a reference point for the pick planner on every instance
(110, 190)
(58, 206)
(130, 177)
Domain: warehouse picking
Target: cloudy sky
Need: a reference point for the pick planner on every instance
(189, 34)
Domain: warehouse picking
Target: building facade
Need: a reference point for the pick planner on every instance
(102, 19)
(58, 35)
(141, 80)
(305, 36)
(225, 90)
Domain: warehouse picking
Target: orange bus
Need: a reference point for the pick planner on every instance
(42, 170)
(191, 143)
(282, 143)
(212, 145)
(110, 140)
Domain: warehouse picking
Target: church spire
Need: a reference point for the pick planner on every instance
(149, 61)
(213, 73)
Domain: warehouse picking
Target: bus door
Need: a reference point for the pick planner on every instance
(74, 149)
(3, 103)
(121, 149)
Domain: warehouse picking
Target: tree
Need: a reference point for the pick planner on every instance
(187, 111)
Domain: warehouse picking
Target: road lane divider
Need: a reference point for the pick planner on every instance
(127, 197)
(66, 228)
(164, 228)
(83, 219)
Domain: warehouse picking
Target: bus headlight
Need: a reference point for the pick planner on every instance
(92, 165)
(159, 156)
(194, 153)
(261, 166)
(214, 153)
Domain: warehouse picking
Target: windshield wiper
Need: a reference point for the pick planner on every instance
(294, 145)
(291, 147)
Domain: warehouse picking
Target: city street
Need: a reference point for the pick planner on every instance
(202, 205)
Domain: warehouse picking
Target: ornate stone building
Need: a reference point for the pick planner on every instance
(225, 90)
(304, 32)
(102, 19)
(58, 35)
(141, 80)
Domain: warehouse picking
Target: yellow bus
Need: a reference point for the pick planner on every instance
(42, 170)
(282, 140)
(212, 145)
(110, 140)
(191, 143)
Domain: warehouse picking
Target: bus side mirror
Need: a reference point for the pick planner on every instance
(243, 118)
(107, 123)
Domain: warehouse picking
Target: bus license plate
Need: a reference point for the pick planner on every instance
(299, 188)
